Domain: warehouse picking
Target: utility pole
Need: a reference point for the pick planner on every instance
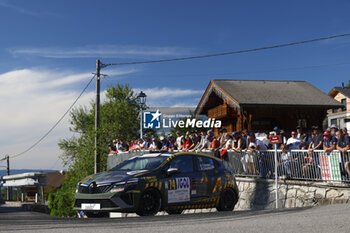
(9, 191)
(97, 117)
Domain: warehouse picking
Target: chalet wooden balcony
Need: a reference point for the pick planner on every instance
(220, 111)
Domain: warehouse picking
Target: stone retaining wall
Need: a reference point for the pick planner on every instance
(258, 193)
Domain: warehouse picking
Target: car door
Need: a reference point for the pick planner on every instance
(178, 187)
(210, 181)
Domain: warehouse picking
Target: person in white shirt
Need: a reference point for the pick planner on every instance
(254, 146)
(227, 143)
(178, 142)
(293, 142)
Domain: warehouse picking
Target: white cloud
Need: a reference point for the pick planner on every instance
(103, 51)
(24, 11)
(32, 101)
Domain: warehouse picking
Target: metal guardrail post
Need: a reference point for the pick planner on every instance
(276, 175)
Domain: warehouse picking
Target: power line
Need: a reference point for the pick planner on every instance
(227, 53)
(54, 126)
(242, 72)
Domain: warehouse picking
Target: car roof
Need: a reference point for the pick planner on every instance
(200, 154)
(152, 155)
(172, 155)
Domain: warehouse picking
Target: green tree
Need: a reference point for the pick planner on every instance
(119, 119)
(348, 85)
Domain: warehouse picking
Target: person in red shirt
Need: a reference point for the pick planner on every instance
(187, 144)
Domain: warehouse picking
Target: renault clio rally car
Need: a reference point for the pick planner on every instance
(155, 182)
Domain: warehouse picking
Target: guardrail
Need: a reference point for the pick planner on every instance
(292, 164)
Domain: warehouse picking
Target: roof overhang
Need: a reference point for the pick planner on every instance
(213, 88)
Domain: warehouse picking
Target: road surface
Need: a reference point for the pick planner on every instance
(334, 218)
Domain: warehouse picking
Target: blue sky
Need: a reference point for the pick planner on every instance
(48, 51)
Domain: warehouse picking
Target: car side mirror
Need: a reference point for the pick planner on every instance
(172, 171)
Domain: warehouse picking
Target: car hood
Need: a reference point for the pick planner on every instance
(110, 177)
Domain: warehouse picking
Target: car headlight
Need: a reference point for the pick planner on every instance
(77, 189)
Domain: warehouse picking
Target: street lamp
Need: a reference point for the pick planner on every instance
(142, 101)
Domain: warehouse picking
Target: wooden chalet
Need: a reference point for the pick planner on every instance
(261, 105)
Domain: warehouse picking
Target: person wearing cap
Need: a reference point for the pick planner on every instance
(343, 145)
(146, 143)
(165, 143)
(283, 139)
(329, 141)
(333, 129)
(316, 142)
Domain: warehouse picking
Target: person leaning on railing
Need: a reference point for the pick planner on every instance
(316, 144)
(343, 146)
(329, 142)
(214, 146)
(236, 142)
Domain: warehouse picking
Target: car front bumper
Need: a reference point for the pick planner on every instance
(108, 202)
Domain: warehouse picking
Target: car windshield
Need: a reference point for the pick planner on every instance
(141, 163)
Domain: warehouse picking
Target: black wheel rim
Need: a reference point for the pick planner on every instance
(228, 199)
(150, 203)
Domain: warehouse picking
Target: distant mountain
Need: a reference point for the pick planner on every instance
(19, 171)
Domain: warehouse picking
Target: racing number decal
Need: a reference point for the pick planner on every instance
(179, 190)
(172, 184)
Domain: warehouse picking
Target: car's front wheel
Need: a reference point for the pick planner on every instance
(150, 203)
(228, 200)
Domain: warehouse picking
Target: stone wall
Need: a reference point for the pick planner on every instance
(256, 194)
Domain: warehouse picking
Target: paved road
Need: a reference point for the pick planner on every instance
(333, 218)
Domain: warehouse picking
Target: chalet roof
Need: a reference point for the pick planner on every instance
(241, 93)
(344, 90)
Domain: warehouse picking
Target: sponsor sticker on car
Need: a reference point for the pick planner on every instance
(179, 190)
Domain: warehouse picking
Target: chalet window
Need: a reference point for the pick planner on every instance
(334, 110)
(343, 102)
(334, 122)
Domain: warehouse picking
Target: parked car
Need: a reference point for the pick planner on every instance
(170, 182)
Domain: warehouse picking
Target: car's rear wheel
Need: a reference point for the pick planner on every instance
(150, 203)
(174, 212)
(228, 200)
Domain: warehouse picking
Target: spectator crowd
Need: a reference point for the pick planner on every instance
(253, 146)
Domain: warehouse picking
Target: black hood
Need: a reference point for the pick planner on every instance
(110, 177)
